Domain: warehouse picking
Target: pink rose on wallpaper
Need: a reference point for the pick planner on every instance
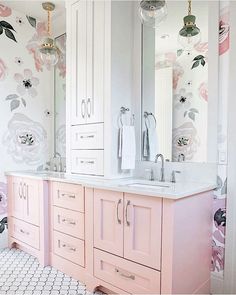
(165, 60)
(177, 74)
(3, 70)
(26, 83)
(4, 11)
(217, 261)
(203, 91)
(3, 198)
(185, 141)
(201, 47)
(33, 45)
(224, 30)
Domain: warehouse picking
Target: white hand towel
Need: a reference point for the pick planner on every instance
(145, 144)
(153, 143)
(128, 148)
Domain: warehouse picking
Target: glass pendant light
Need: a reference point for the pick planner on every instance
(190, 34)
(152, 12)
(49, 52)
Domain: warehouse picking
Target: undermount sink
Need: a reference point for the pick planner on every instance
(146, 184)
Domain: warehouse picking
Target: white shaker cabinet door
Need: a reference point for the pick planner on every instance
(77, 39)
(95, 62)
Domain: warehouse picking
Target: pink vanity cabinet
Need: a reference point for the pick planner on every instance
(28, 216)
(151, 245)
(67, 215)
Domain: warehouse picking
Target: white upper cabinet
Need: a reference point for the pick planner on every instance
(99, 82)
(87, 61)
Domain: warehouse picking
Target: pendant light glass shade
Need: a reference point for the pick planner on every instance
(152, 12)
(190, 35)
(49, 52)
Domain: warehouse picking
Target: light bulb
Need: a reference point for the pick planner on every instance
(152, 12)
(189, 42)
(48, 52)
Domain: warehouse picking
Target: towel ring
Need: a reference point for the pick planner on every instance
(146, 116)
(123, 111)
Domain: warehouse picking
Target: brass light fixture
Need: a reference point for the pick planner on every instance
(152, 12)
(190, 34)
(49, 52)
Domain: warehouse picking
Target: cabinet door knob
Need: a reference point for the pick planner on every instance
(126, 213)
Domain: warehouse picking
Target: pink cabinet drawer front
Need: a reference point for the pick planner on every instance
(69, 222)
(69, 196)
(69, 248)
(24, 232)
(126, 275)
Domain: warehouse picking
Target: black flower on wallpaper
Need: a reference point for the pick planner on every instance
(199, 60)
(7, 29)
(3, 225)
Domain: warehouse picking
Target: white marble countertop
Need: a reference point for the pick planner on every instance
(167, 190)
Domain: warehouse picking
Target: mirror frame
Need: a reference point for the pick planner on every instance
(213, 92)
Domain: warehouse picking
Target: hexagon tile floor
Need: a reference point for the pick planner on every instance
(21, 274)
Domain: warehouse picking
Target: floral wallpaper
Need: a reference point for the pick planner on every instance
(219, 213)
(190, 97)
(60, 98)
(25, 101)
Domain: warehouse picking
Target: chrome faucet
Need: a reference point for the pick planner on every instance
(59, 167)
(162, 166)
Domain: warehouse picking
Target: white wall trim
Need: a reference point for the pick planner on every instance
(230, 247)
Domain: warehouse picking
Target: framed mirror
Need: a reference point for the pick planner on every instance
(60, 99)
(179, 100)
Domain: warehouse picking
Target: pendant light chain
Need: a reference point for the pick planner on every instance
(189, 7)
(49, 25)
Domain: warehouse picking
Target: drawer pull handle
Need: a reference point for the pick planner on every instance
(69, 248)
(130, 277)
(117, 211)
(126, 213)
(88, 136)
(69, 196)
(87, 162)
(68, 221)
(24, 232)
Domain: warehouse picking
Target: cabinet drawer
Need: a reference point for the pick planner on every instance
(126, 275)
(87, 137)
(69, 248)
(24, 232)
(69, 196)
(69, 222)
(87, 162)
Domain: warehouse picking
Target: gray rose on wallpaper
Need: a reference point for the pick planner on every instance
(185, 141)
(25, 140)
(61, 140)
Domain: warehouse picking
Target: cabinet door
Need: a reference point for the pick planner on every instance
(142, 230)
(108, 221)
(31, 193)
(78, 60)
(95, 62)
(16, 198)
